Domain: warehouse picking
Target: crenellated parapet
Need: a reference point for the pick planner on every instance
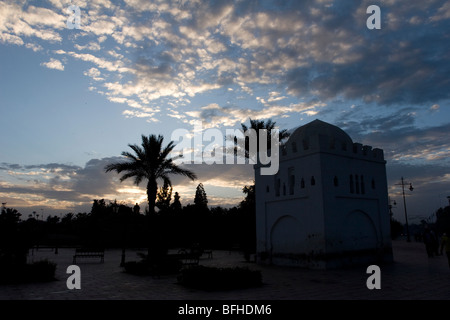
(331, 142)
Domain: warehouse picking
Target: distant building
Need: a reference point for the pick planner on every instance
(328, 205)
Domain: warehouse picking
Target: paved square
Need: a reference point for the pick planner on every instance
(412, 276)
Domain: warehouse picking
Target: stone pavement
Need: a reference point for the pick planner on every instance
(412, 276)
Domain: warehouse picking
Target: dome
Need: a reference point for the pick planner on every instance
(318, 127)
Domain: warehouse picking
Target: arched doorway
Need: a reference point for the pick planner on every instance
(285, 235)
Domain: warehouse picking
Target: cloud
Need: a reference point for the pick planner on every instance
(112, 66)
(431, 188)
(94, 73)
(400, 134)
(33, 46)
(93, 46)
(53, 64)
(314, 50)
(56, 186)
(64, 188)
(434, 108)
(17, 22)
(222, 62)
(214, 115)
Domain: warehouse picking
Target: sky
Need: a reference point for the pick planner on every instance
(72, 97)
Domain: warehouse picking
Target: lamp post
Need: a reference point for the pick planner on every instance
(404, 205)
(390, 206)
(122, 259)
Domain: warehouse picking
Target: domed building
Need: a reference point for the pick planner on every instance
(327, 206)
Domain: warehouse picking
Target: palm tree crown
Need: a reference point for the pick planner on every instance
(150, 161)
(257, 125)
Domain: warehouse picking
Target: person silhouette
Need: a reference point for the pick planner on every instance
(136, 209)
(445, 242)
(429, 239)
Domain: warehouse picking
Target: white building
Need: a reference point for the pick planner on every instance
(328, 205)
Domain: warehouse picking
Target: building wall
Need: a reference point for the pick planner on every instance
(356, 205)
(327, 206)
(290, 220)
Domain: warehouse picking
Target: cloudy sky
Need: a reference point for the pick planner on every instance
(72, 99)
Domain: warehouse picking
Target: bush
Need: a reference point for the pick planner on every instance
(137, 267)
(39, 271)
(209, 278)
(156, 266)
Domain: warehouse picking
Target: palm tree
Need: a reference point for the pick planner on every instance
(150, 162)
(257, 125)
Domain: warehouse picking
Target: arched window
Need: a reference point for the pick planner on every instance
(294, 147)
(352, 188)
(305, 144)
(357, 183)
(291, 173)
(302, 184)
(277, 187)
(336, 181)
(313, 181)
(332, 143)
(373, 183)
(363, 187)
(284, 189)
(267, 189)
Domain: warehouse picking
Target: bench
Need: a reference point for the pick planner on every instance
(190, 260)
(209, 253)
(89, 253)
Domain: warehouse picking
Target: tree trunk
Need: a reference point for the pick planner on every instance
(152, 189)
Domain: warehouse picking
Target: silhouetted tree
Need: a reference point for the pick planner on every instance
(257, 125)
(163, 198)
(98, 207)
(443, 220)
(176, 204)
(150, 162)
(201, 200)
(13, 244)
(248, 220)
(249, 200)
(396, 228)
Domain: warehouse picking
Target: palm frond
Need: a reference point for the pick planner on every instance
(180, 171)
(150, 161)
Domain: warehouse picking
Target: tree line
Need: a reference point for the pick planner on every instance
(119, 225)
(116, 225)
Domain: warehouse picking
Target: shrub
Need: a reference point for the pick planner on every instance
(39, 271)
(137, 267)
(155, 266)
(43, 270)
(210, 278)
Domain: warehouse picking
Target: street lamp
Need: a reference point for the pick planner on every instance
(122, 259)
(390, 206)
(404, 205)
